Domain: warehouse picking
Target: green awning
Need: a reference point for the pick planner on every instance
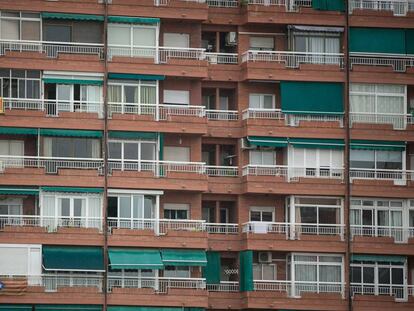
(212, 271)
(312, 97)
(377, 145)
(317, 143)
(261, 141)
(77, 17)
(73, 258)
(378, 258)
(183, 257)
(131, 308)
(73, 189)
(17, 131)
(124, 258)
(328, 5)
(409, 41)
(132, 135)
(71, 133)
(72, 81)
(133, 20)
(246, 270)
(18, 191)
(377, 40)
(130, 76)
(11, 307)
(161, 146)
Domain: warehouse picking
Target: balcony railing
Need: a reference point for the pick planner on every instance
(297, 288)
(51, 49)
(222, 228)
(222, 115)
(400, 292)
(223, 3)
(258, 113)
(400, 234)
(222, 171)
(398, 121)
(398, 176)
(269, 2)
(161, 284)
(50, 164)
(266, 227)
(293, 59)
(224, 286)
(222, 58)
(398, 62)
(398, 7)
(53, 107)
(51, 223)
(295, 119)
(166, 2)
(293, 173)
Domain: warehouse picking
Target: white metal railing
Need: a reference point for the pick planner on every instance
(295, 119)
(222, 58)
(224, 286)
(222, 115)
(296, 288)
(291, 5)
(259, 113)
(167, 53)
(51, 49)
(290, 172)
(223, 3)
(397, 61)
(272, 285)
(53, 107)
(268, 2)
(397, 120)
(52, 223)
(317, 229)
(166, 2)
(222, 171)
(159, 168)
(398, 7)
(160, 284)
(292, 59)
(222, 228)
(51, 164)
(266, 227)
(399, 233)
(400, 292)
(399, 176)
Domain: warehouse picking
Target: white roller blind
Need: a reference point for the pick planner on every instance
(119, 35)
(181, 40)
(181, 154)
(35, 261)
(94, 207)
(263, 43)
(144, 36)
(13, 260)
(177, 97)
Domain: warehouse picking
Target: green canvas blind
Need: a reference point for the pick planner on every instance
(72, 258)
(328, 5)
(134, 259)
(72, 81)
(377, 145)
(409, 41)
(11, 307)
(377, 40)
(261, 141)
(71, 133)
(311, 97)
(131, 308)
(246, 271)
(18, 191)
(317, 143)
(78, 17)
(18, 131)
(133, 20)
(212, 270)
(378, 258)
(132, 135)
(183, 257)
(72, 189)
(130, 76)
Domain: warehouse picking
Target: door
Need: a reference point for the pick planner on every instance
(64, 98)
(224, 215)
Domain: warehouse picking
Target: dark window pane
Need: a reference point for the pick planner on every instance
(356, 275)
(328, 215)
(368, 275)
(131, 151)
(397, 276)
(57, 33)
(112, 206)
(255, 216)
(308, 214)
(384, 275)
(267, 216)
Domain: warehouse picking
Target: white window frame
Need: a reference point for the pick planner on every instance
(29, 248)
(13, 202)
(178, 207)
(311, 35)
(261, 152)
(403, 158)
(261, 100)
(22, 18)
(19, 81)
(138, 84)
(183, 95)
(261, 210)
(295, 203)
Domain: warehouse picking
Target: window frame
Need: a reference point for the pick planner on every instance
(22, 19)
(261, 100)
(20, 80)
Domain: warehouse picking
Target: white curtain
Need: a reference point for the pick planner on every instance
(114, 93)
(332, 45)
(96, 148)
(94, 211)
(48, 211)
(148, 95)
(355, 217)
(47, 146)
(305, 273)
(329, 273)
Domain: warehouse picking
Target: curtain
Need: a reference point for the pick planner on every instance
(355, 217)
(329, 273)
(94, 211)
(48, 212)
(96, 148)
(305, 273)
(148, 95)
(254, 101)
(47, 146)
(114, 93)
(119, 35)
(10, 29)
(332, 45)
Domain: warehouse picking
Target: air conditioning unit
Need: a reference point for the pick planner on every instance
(245, 145)
(231, 38)
(265, 257)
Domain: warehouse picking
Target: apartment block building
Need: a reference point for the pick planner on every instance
(206, 155)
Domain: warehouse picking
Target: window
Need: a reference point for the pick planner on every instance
(144, 278)
(262, 43)
(179, 154)
(176, 211)
(319, 42)
(139, 92)
(12, 147)
(262, 157)
(176, 97)
(57, 33)
(262, 101)
(177, 272)
(19, 26)
(11, 206)
(15, 83)
(264, 271)
(21, 259)
(180, 40)
(376, 159)
(131, 153)
(71, 147)
(262, 214)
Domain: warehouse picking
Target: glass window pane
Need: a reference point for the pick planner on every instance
(78, 205)
(57, 33)
(397, 275)
(368, 275)
(125, 207)
(137, 207)
(31, 30)
(330, 274)
(144, 36)
(383, 219)
(115, 150)
(383, 275)
(367, 218)
(254, 101)
(268, 101)
(267, 216)
(268, 157)
(307, 214)
(131, 151)
(119, 35)
(147, 151)
(329, 215)
(269, 272)
(149, 206)
(257, 272)
(114, 93)
(389, 160)
(4, 210)
(65, 207)
(356, 275)
(362, 159)
(33, 89)
(305, 272)
(131, 94)
(10, 29)
(300, 44)
(255, 216)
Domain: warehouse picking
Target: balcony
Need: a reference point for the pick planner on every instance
(222, 3)
(397, 62)
(289, 173)
(224, 286)
(397, 121)
(297, 288)
(399, 292)
(398, 234)
(159, 285)
(397, 7)
(398, 177)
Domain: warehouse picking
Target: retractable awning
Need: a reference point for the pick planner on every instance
(130, 76)
(131, 308)
(132, 135)
(67, 308)
(72, 258)
(71, 133)
(72, 189)
(377, 40)
(329, 5)
(178, 257)
(63, 77)
(120, 258)
(19, 191)
(317, 143)
(379, 258)
(261, 141)
(77, 17)
(11, 307)
(377, 145)
(133, 20)
(17, 131)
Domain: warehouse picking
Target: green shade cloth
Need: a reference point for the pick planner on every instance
(133, 20)
(73, 258)
(261, 141)
(161, 146)
(377, 40)
(72, 81)
(16, 307)
(246, 271)
(132, 135)
(183, 257)
(378, 258)
(77, 17)
(328, 5)
(19, 191)
(312, 97)
(130, 76)
(71, 133)
(18, 131)
(73, 189)
(317, 143)
(124, 258)
(377, 145)
(409, 41)
(130, 308)
(212, 271)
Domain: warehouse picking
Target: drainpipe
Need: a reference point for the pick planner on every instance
(347, 200)
(105, 155)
